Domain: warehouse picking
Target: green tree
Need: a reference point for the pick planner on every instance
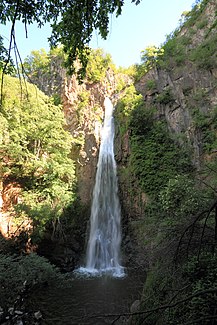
(150, 56)
(35, 152)
(98, 63)
(36, 61)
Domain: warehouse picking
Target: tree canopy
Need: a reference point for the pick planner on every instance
(35, 149)
(72, 22)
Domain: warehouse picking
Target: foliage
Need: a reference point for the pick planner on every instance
(98, 64)
(202, 24)
(204, 55)
(19, 273)
(44, 70)
(149, 60)
(179, 301)
(193, 16)
(205, 122)
(128, 102)
(40, 61)
(72, 23)
(200, 275)
(129, 71)
(191, 300)
(150, 56)
(151, 84)
(155, 157)
(140, 71)
(165, 97)
(179, 217)
(123, 78)
(174, 51)
(181, 198)
(35, 151)
(39, 65)
(37, 61)
(177, 47)
(9, 69)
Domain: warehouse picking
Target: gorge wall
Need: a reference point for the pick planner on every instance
(181, 86)
(187, 84)
(83, 107)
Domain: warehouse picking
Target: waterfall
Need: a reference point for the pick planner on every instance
(103, 249)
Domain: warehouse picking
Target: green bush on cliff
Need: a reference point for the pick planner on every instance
(180, 198)
(38, 61)
(174, 211)
(128, 102)
(39, 64)
(204, 55)
(98, 64)
(206, 124)
(193, 16)
(155, 156)
(174, 51)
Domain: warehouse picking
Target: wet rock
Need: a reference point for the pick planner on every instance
(11, 310)
(38, 315)
(19, 322)
(18, 312)
(135, 306)
(1, 314)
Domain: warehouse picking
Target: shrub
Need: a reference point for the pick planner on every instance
(155, 156)
(20, 273)
(204, 55)
(128, 102)
(151, 84)
(165, 97)
(98, 63)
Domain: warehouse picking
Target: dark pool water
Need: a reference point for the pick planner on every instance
(89, 300)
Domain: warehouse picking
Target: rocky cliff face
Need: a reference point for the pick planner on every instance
(83, 107)
(180, 89)
(188, 88)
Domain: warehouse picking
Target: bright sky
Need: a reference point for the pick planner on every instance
(137, 27)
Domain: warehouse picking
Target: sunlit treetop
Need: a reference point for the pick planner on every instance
(72, 22)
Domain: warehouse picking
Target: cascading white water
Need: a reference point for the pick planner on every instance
(103, 250)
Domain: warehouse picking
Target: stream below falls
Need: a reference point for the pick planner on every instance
(89, 300)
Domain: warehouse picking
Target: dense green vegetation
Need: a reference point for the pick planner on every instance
(39, 176)
(155, 156)
(19, 274)
(35, 152)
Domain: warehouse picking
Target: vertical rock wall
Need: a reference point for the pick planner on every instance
(83, 107)
(180, 90)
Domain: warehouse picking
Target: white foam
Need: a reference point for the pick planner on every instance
(115, 272)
